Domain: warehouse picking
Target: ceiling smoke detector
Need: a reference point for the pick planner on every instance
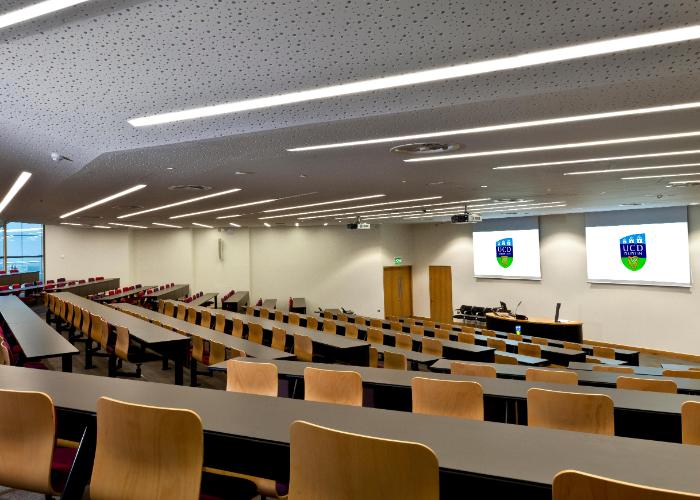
(190, 187)
(424, 148)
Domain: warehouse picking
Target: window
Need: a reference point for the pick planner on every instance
(23, 247)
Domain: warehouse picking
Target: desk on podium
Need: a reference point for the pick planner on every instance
(569, 331)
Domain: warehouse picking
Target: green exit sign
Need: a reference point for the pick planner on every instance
(398, 260)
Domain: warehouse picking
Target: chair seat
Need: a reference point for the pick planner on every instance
(61, 465)
(215, 487)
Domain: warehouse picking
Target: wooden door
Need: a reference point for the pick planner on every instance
(440, 293)
(398, 291)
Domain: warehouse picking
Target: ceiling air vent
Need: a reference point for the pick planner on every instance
(190, 187)
(424, 148)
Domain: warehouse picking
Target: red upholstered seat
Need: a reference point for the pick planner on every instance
(61, 465)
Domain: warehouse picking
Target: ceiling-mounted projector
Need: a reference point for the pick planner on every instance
(466, 218)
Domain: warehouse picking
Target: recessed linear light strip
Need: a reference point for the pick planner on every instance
(105, 200)
(70, 224)
(232, 207)
(567, 53)
(177, 204)
(166, 225)
(664, 176)
(692, 181)
(360, 212)
(632, 169)
(453, 210)
(552, 147)
(234, 224)
(18, 184)
(327, 210)
(596, 160)
(36, 10)
(346, 200)
(202, 225)
(508, 126)
(498, 210)
(126, 225)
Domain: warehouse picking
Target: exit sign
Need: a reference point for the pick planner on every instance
(398, 260)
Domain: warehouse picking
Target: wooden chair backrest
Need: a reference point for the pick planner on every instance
(68, 313)
(488, 333)
(312, 322)
(327, 315)
(397, 326)
(161, 306)
(690, 418)
(570, 411)
(514, 336)
(351, 331)
(575, 485)
(5, 358)
(181, 311)
(85, 325)
(237, 328)
(325, 463)
(442, 334)
(551, 376)
(448, 398)
(404, 341)
(395, 361)
(146, 452)
(77, 317)
(539, 341)
(220, 323)
(96, 328)
(373, 357)
(498, 344)
(604, 352)
(573, 346)
(360, 320)
(375, 323)
(219, 353)
(279, 316)
(27, 439)
(332, 386)
(205, 319)
(198, 350)
(466, 338)
(612, 369)
(342, 317)
(121, 347)
(251, 378)
(279, 338)
(647, 384)
(460, 368)
(468, 329)
(682, 373)
(250, 311)
(293, 319)
(504, 359)
(375, 336)
(417, 329)
(303, 348)
(429, 324)
(328, 326)
(169, 309)
(192, 315)
(528, 349)
(255, 333)
(432, 346)
(264, 313)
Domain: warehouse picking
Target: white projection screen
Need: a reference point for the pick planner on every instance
(507, 248)
(639, 247)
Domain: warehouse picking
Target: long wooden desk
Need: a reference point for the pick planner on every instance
(19, 278)
(571, 331)
(556, 355)
(123, 295)
(174, 292)
(37, 339)
(237, 301)
(638, 370)
(89, 287)
(33, 289)
(205, 299)
(270, 304)
(507, 460)
(169, 344)
(298, 305)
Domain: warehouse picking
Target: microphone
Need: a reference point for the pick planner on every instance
(516, 308)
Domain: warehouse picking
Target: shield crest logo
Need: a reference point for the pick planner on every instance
(504, 252)
(633, 251)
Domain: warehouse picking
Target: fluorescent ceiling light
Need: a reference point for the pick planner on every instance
(223, 208)
(506, 209)
(663, 176)
(507, 126)
(571, 52)
(234, 224)
(229, 216)
(685, 182)
(296, 224)
(127, 225)
(358, 198)
(105, 200)
(553, 147)
(360, 212)
(632, 169)
(19, 183)
(70, 224)
(266, 224)
(166, 225)
(596, 160)
(351, 208)
(325, 223)
(191, 200)
(202, 225)
(102, 227)
(36, 10)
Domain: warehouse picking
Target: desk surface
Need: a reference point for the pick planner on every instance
(568, 354)
(207, 297)
(168, 291)
(122, 295)
(270, 304)
(537, 320)
(251, 348)
(533, 455)
(36, 338)
(237, 297)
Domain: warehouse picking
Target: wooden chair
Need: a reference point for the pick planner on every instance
(416, 329)
(404, 341)
(169, 309)
(592, 360)
(343, 317)
(395, 361)
(466, 338)
(5, 357)
(123, 351)
(279, 316)
(429, 324)
(503, 359)
(488, 333)
(375, 336)
(279, 338)
(251, 378)
(312, 323)
(448, 398)
(205, 319)
(570, 411)
(468, 329)
(551, 376)
(574, 485)
(264, 313)
(255, 333)
(293, 319)
(442, 334)
(192, 315)
(397, 326)
(514, 336)
(473, 370)
(682, 373)
(360, 320)
(690, 418)
(647, 384)
(375, 323)
(325, 463)
(303, 348)
(539, 341)
(373, 357)
(327, 315)
(220, 323)
(328, 326)
(332, 386)
(603, 352)
(612, 369)
(161, 306)
(528, 349)
(351, 331)
(498, 344)
(181, 311)
(237, 328)
(146, 452)
(573, 346)
(250, 311)
(432, 346)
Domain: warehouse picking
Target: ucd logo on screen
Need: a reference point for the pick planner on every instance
(633, 251)
(504, 252)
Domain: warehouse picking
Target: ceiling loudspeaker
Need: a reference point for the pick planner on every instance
(221, 249)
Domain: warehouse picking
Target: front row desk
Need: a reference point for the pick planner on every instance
(250, 435)
(567, 331)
